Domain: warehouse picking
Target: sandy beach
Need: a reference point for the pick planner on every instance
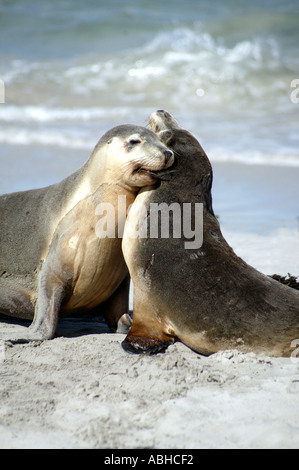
(81, 390)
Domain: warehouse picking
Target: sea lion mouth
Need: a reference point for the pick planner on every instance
(148, 171)
(157, 174)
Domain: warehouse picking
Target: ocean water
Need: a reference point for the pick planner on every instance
(227, 70)
(72, 69)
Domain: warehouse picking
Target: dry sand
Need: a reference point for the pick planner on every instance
(81, 390)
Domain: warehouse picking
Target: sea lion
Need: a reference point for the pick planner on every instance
(206, 297)
(52, 259)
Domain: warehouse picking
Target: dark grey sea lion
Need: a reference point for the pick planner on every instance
(206, 297)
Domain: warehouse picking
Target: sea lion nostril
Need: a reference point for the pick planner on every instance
(160, 111)
(168, 154)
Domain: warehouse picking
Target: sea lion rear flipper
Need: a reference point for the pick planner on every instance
(16, 300)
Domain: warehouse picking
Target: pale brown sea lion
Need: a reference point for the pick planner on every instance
(206, 297)
(52, 260)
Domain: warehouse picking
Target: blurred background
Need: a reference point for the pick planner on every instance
(72, 70)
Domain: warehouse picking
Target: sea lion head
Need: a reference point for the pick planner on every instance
(136, 155)
(171, 133)
(191, 159)
(161, 120)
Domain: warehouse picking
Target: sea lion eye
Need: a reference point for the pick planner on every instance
(134, 141)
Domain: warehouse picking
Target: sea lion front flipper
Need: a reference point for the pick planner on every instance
(143, 345)
(53, 286)
(146, 337)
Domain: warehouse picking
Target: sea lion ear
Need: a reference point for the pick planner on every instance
(167, 137)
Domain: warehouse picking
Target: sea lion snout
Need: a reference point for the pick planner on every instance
(161, 121)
